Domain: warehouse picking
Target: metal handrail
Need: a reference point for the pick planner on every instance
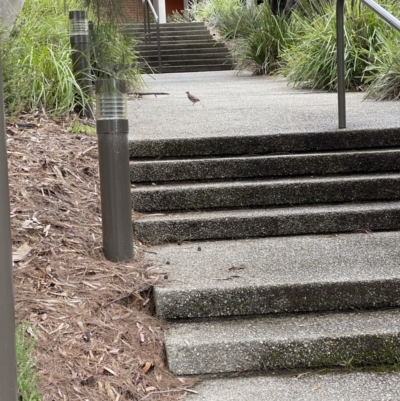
(383, 14)
(147, 32)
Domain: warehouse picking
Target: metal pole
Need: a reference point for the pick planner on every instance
(340, 63)
(8, 364)
(79, 39)
(116, 202)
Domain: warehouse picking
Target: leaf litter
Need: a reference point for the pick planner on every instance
(96, 337)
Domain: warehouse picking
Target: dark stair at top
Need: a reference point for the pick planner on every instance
(185, 47)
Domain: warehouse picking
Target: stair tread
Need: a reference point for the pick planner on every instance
(265, 182)
(201, 168)
(280, 274)
(272, 342)
(272, 212)
(304, 386)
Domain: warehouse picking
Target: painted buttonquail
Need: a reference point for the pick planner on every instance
(192, 98)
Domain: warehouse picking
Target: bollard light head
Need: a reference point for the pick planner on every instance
(111, 99)
(79, 24)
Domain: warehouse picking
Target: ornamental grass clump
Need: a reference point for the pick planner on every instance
(263, 36)
(37, 61)
(310, 59)
(384, 72)
(254, 33)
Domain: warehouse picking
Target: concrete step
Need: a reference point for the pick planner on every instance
(168, 57)
(295, 220)
(170, 26)
(265, 144)
(191, 62)
(340, 162)
(190, 68)
(139, 32)
(284, 342)
(190, 54)
(194, 46)
(266, 193)
(277, 275)
(331, 385)
(177, 45)
(181, 38)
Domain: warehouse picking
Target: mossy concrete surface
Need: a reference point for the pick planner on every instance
(284, 342)
(247, 223)
(278, 275)
(220, 168)
(266, 192)
(306, 265)
(306, 386)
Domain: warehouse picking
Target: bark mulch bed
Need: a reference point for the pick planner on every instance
(96, 338)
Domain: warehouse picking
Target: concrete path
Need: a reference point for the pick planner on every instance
(241, 104)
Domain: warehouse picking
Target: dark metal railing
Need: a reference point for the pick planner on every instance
(147, 7)
(383, 14)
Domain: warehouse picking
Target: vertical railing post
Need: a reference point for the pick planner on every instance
(340, 63)
(115, 187)
(8, 364)
(159, 46)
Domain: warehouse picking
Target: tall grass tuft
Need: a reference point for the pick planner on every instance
(261, 38)
(384, 72)
(27, 380)
(37, 58)
(310, 60)
(255, 33)
(37, 61)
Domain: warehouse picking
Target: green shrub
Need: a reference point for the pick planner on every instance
(384, 72)
(37, 61)
(261, 38)
(310, 60)
(37, 58)
(256, 34)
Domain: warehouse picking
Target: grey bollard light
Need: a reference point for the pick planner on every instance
(79, 39)
(8, 364)
(116, 204)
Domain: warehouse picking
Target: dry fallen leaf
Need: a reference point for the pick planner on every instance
(240, 267)
(146, 367)
(22, 252)
(109, 370)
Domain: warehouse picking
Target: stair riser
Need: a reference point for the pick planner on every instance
(248, 300)
(178, 38)
(264, 194)
(180, 58)
(139, 32)
(184, 48)
(253, 224)
(190, 68)
(187, 52)
(266, 144)
(167, 27)
(175, 35)
(264, 166)
(261, 355)
(191, 63)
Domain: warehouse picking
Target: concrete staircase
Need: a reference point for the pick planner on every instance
(276, 250)
(185, 47)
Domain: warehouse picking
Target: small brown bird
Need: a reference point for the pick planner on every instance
(192, 98)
